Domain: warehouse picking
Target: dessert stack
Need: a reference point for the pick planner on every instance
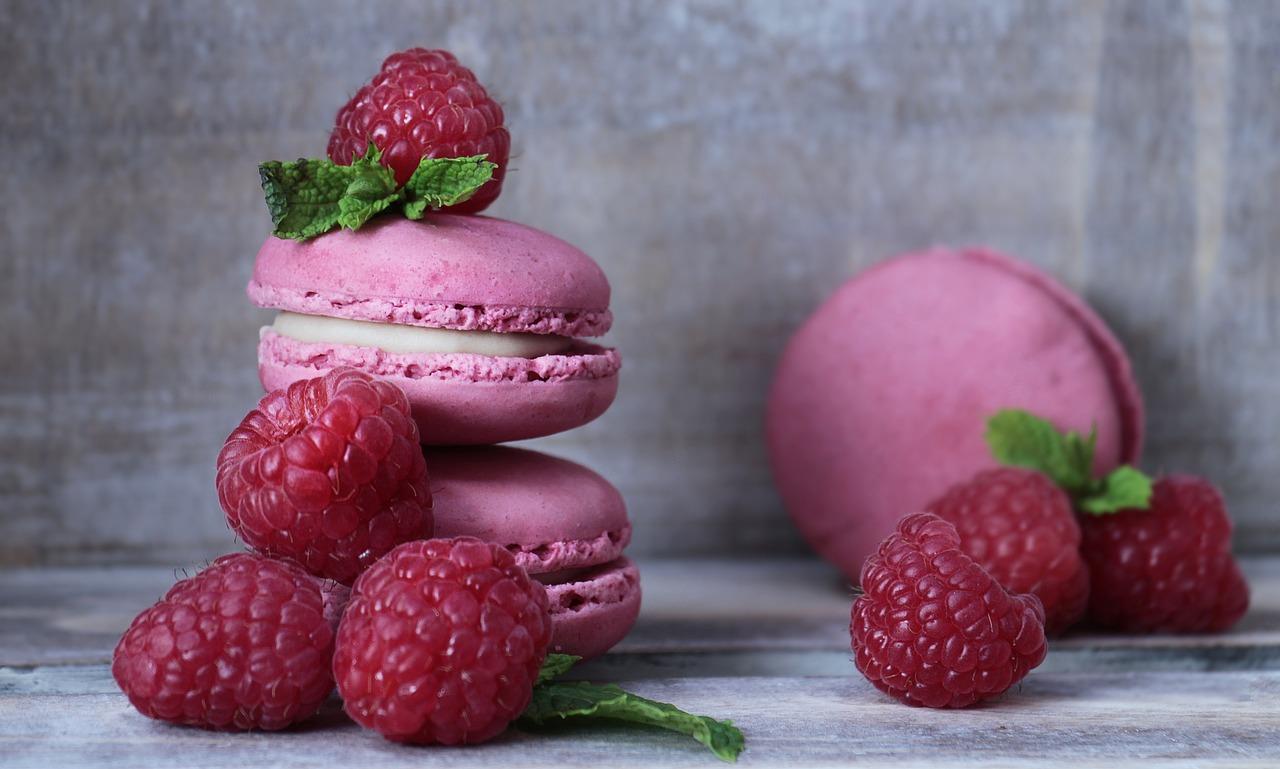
(483, 323)
(442, 609)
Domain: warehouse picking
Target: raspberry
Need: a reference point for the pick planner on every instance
(244, 644)
(328, 473)
(1168, 569)
(1018, 525)
(424, 103)
(441, 642)
(932, 628)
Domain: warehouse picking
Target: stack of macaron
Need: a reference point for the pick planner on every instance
(484, 324)
(441, 584)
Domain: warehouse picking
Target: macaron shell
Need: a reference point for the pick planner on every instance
(463, 399)
(447, 271)
(551, 513)
(1111, 353)
(560, 520)
(880, 400)
(591, 615)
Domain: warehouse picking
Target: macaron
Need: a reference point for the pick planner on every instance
(564, 523)
(484, 323)
(880, 399)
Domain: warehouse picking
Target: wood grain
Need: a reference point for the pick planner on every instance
(727, 163)
(763, 643)
(760, 617)
(74, 717)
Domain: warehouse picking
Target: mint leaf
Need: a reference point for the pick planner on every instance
(1022, 439)
(556, 665)
(1124, 487)
(441, 182)
(303, 196)
(1081, 451)
(307, 198)
(371, 189)
(561, 701)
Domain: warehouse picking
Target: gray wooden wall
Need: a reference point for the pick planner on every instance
(726, 162)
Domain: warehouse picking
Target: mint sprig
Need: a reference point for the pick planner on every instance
(309, 197)
(563, 700)
(556, 665)
(1022, 439)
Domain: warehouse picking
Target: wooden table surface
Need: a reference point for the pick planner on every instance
(764, 643)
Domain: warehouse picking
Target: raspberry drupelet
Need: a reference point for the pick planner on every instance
(1168, 569)
(245, 644)
(423, 103)
(932, 628)
(328, 473)
(442, 642)
(1019, 526)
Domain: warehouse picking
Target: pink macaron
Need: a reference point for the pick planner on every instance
(483, 322)
(880, 400)
(564, 523)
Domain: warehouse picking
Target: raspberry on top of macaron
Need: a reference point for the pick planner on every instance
(424, 104)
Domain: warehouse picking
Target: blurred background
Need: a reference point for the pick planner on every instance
(727, 163)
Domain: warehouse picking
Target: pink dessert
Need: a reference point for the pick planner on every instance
(481, 321)
(880, 399)
(564, 523)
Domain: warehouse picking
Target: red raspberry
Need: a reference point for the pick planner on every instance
(442, 642)
(1019, 526)
(424, 104)
(328, 473)
(1168, 569)
(244, 644)
(932, 628)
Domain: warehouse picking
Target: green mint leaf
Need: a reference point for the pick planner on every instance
(441, 182)
(371, 189)
(562, 701)
(1124, 487)
(556, 665)
(303, 196)
(1022, 439)
(307, 198)
(1081, 450)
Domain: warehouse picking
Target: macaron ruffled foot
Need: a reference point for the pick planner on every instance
(563, 523)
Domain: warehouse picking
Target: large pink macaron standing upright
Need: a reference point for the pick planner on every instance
(880, 400)
(564, 523)
(481, 321)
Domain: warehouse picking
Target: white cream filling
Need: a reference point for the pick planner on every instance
(401, 339)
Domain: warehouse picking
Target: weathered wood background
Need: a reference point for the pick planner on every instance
(727, 163)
